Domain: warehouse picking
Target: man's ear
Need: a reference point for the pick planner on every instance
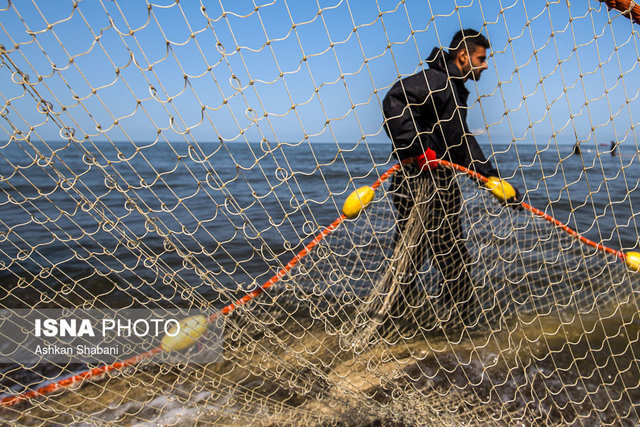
(463, 56)
(462, 59)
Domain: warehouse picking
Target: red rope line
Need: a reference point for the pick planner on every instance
(629, 8)
(539, 213)
(282, 272)
(50, 388)
(69, 381)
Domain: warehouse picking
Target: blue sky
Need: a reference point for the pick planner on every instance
(235, 70)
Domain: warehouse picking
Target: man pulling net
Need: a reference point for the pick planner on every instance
(425, 118)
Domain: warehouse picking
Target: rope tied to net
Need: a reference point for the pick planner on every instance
(629, 8)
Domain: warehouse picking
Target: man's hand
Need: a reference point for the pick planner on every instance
(515, 202)
(427, 160)
(504, 192)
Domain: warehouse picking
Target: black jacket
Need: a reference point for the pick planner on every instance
(429, 110)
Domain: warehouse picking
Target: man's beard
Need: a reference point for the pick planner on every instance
(476, 73)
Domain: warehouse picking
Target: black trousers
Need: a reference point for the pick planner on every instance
(429, 204)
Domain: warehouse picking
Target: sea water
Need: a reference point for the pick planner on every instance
(237, 211)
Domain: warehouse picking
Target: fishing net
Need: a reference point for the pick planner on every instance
(195, 157)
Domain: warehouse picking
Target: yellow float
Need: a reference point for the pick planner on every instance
(633, 260)
(500, 188)
(357, 201)
(185, 334)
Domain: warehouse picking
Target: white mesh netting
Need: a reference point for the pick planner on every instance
(181, 154)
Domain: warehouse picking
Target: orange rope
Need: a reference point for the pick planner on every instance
(539, 213)
(49, 388)
(629, 8)
(283, 271)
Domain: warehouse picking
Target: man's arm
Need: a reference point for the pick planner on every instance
(462, 146)
(475, 158)
(403, 108)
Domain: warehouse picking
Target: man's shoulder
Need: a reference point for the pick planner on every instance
(429, 79)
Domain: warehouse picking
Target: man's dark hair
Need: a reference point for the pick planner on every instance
(467, 39)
